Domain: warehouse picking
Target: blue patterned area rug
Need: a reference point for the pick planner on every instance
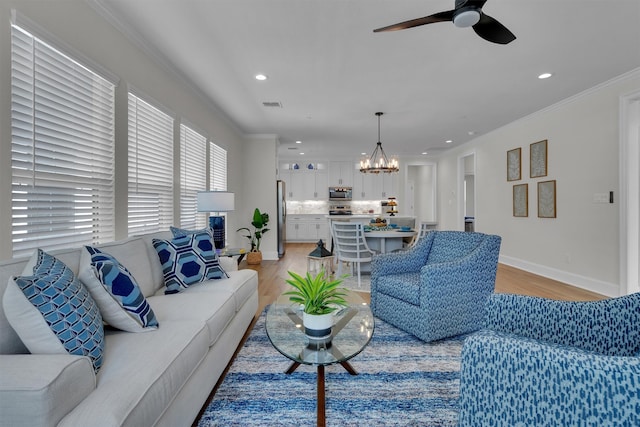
(402, 382)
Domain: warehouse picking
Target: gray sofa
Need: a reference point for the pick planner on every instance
(156, 378)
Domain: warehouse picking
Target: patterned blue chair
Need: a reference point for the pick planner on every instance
(541, 362)
(437, 288)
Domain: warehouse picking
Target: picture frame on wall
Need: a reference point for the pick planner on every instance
(538, 159)
(547, 199)
(514, 170)
(521, 200)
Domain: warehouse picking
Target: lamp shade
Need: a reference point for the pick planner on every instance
(215, 201)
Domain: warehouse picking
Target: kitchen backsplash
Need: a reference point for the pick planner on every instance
(313, 207)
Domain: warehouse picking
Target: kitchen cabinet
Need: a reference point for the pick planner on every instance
(341, 174)
(306, 228)
(304, 184)
(375, 186)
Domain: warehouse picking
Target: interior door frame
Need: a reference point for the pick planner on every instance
(629, 152)
(461, 192)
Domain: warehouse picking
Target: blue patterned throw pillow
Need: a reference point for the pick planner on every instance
(116, 292)
(187, 260)
(181, 232)
(52, 311)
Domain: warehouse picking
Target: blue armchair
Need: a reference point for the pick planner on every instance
(437, 288)
(553, 363)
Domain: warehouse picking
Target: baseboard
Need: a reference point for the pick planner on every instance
(587, 283)
(270, 255)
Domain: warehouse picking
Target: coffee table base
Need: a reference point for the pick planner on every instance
(321, 418)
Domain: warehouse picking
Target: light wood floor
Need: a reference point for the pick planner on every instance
(272, 276)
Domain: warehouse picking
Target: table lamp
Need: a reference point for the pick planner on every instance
(216, 201)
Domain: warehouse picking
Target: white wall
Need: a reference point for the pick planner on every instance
(80, 28)
(581, 245)
(259, 190)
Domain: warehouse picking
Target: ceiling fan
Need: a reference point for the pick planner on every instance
(467, 13)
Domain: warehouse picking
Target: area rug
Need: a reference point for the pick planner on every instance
(351, 282)
(402, 382)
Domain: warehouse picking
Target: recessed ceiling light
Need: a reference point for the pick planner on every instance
(301, 154)
(261, 77)
(363, 154)
(448, 141)
(471, 132)
(424, 153)
(298, 142)
(544, 76)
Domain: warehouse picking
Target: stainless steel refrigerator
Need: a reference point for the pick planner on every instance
(282, 216)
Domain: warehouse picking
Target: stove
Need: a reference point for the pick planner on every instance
(340, 210)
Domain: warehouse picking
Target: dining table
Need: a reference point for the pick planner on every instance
(389, 240)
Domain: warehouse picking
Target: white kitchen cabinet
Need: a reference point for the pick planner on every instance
(375, 186)
(304, 184)
(306, 228)
(341, 174)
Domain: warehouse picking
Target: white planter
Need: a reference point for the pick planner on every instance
(317, 326)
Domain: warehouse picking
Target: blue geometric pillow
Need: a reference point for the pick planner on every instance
(181, 232)
(116, 292)
(53, 294)
(187, 260)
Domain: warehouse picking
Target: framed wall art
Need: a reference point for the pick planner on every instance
(538, 159)
(514, 171)
(547, 199)
(521, 200)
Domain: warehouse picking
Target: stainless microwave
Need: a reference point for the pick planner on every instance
(340, 193)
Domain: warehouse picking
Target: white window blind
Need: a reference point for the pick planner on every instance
(193, 176)
(150, 168)
(217, 168)
(62, 147)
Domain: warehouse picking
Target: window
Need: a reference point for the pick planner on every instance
(217, 168)
(62, 146)
(193, 176)
(150, 168)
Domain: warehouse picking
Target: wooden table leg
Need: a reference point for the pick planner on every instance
(349, 368)
(292, 368)
(321, 419)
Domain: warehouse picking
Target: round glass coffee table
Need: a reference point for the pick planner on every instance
(352, 330)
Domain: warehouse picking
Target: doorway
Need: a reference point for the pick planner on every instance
(467, 192)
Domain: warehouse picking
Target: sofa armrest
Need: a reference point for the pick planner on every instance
(607, 326)
(509, 380)
(39, 390)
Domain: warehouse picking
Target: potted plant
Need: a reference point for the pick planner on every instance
(320, 297)
(259, 223)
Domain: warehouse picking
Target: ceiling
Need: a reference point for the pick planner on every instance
(330, 73)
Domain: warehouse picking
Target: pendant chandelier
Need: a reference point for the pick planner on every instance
(378, 162)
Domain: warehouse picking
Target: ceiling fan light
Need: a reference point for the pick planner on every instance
(466, 18)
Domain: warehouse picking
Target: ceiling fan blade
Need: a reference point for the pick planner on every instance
(493, 31)
(431, 19)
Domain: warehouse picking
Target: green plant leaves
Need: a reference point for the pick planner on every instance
(317, 294)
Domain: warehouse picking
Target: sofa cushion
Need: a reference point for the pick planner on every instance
(403, 286)
(142, 375)
(39, 390)
(187, 260)
(116, 292)
(52, 312)
(241, 284)
(214, 307)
